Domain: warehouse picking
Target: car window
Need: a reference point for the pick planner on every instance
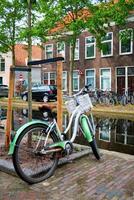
(3, 86)
(53, 87)
(41, 87)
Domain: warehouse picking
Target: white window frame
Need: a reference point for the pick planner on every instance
(49, 77)
(102, 76)
(131, 43)
(105, 41)
(88, 45)
(64, 78)
(48, 51)
(59, 51)
(91, 77)
(105, 135)
(76, 49)
(78, 80)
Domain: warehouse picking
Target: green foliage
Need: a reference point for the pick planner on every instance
(10, 15)
(126, 35)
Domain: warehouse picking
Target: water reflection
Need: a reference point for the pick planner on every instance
(125, 132)
(116, 135)
(112, 134)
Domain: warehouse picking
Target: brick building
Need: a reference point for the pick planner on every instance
(112, 69)
(21, 60)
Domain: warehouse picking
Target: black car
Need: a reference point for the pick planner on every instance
(42, 93)
(3, 90)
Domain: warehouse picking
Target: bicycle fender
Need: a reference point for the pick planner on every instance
(85, 128)
(20, 130)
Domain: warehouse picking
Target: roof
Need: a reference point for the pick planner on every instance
(83, 14)
(21, 54)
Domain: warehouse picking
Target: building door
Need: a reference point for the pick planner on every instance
(120, 73)
(130, 80)
(120, 84)
(125, 80)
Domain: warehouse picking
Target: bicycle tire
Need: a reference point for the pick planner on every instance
(111, 101)
(31, 167)
(102, 100)
(95, 149)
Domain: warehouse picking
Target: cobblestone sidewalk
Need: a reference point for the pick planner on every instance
(112, 178)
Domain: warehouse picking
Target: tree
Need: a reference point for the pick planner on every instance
(11, 13)
(26, 33)
(10, 17)
(68, 16)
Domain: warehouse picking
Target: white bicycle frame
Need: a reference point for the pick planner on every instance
(76, 114)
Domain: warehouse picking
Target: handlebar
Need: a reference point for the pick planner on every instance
(84, 89)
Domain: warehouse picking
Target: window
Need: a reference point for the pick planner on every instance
(105, 79)
(90, 47)
(61, 48)
(126, 42)
(105, 130)
(45, 78)
(121, 71)
(2, 64)
(64, 81)
(50, 78)
(49, 51)
(90, 78)
(1, 80)
(130, 71)
(107, 45)
(75, 81)
(76, 53)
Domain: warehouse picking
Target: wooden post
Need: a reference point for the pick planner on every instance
(59, 94)
(9, 108)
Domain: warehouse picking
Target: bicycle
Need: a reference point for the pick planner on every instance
(106, 98)
(38, 145)
(123, 98)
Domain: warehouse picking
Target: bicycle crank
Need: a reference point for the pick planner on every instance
(65, 147)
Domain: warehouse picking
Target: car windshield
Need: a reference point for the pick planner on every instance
(44, 87)
(53, 87)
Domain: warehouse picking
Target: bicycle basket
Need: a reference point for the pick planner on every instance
(70, 105)
(84, 102)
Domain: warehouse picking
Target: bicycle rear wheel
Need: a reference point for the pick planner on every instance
(30, 165)
(95, 150)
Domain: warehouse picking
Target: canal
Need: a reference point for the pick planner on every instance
(112, 133)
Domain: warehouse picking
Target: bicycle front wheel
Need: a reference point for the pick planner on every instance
(30, 165)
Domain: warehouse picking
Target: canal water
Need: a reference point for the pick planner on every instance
(113, 134)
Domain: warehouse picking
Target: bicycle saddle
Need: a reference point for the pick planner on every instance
(47, 109)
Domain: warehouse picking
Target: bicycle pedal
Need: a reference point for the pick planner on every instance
(68, 148)
(64, 136)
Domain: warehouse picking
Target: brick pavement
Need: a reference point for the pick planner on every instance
(112, 178)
